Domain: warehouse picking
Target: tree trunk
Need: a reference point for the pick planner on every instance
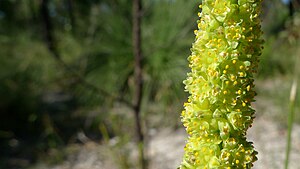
(71, 15)
(137, 51)
(48, 28)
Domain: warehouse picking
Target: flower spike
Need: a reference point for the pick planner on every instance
(223, 59)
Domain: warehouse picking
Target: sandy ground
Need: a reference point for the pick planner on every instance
(269, 140)
(165, 150)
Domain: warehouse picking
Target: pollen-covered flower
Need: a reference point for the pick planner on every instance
(218, 111)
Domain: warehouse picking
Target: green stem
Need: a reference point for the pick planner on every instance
(293, 95)
(290, 126)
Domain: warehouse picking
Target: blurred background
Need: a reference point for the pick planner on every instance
(68, 83)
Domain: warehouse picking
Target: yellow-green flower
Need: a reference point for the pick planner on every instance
(223, 59)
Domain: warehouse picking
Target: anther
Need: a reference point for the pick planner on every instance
(248, 88)
(243, 104)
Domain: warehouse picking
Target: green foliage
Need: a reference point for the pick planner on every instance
(274, 10)
(277, 47)
(166, 39)
(46, 103)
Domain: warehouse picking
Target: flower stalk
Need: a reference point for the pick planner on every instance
(223, 59)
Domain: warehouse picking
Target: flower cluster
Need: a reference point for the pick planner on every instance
(218, 111)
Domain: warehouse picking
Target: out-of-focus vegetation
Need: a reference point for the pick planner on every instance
(66, 71)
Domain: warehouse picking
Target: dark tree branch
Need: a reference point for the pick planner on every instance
(48, 31)
(293, 5)
(137, 51)
(70, 7)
